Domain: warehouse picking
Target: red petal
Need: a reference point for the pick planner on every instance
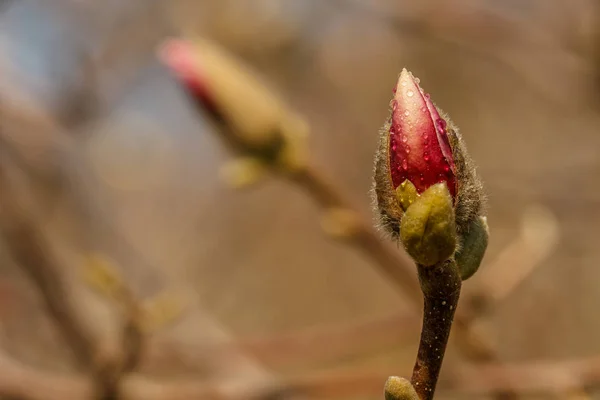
(415, 144)
(442, 133)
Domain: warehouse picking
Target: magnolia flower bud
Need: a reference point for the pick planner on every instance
(226, 88)
(420, 147)
(258, 122)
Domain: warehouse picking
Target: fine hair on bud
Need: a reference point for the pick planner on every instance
(387, 209)
(470, 203)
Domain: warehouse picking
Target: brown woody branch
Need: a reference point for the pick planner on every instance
(441, 289)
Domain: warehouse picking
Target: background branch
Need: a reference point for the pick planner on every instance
(28, 248)
(545, 378)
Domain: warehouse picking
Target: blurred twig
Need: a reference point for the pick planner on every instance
(29, 249)
(395, 265)
(313, 346)
(533, 378)
(537, 238)
(25, 383)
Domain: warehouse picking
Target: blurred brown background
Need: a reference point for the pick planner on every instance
(130, 170)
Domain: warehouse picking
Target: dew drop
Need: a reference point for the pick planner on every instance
(403, 185)
(424, 109)
(407, 113)
(394, 105)
(394, 147)
(404, 164)
(446, 168)
(404, 139)
(410, 93)
(421, 178)
(441, 124)
(417, 80)
(403, 83)
(426, 156)
(427, 95)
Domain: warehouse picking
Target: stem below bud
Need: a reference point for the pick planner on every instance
(441, 289)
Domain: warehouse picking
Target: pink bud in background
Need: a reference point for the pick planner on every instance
(182, 59)
(419, 147)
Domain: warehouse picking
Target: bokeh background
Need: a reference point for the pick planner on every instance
(113, 158)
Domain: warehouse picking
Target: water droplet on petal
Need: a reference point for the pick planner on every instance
(394, 147)
(404, 164)
(403, 83)
(407, 113)
(446, 168)
(441, 124)
(426, 156)
(410, 93)
(404, 139)
(427, 95)
(417, 80)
